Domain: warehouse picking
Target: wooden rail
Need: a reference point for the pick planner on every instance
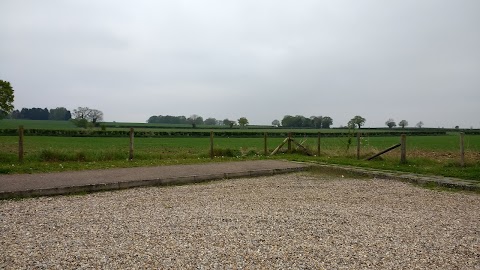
(384, 151)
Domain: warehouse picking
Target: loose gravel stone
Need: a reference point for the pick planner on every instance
(297, 221)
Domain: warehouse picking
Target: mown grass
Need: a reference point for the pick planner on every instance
(36, 124)
(437, 155)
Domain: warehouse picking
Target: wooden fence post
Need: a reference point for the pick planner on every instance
(20, 143)
(462, 149)
(265, 149)
(318, 144)
(289, 142)
(403, 155)
(211, 144)
(130, 155)
(358, 145)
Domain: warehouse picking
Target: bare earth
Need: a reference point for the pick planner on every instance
(294, 221)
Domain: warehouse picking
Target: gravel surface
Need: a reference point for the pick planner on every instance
(298, 221)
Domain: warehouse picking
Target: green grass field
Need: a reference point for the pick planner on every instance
(426, 154)
(36, 124)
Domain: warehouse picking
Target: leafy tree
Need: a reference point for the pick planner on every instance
(34, 114)
(327, 121)
(60, 113)
(242, 121)
(6, 98)
(296, 121)
(316, 121)
(276, 123)
(91, 115)
(152, 119)
(403, 123)
(81, 113)
(210, 121)
(287, 121)
(390, 123)
(16, 115)
(419, 124)
(195, 120)
(357, 121)
(229, 123)
(96, 116)
(312, 122)
(167, 119)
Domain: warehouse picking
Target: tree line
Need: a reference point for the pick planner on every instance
(358, 121)
(300, 121)
(196, 120)
(59, 113)
(81, 117)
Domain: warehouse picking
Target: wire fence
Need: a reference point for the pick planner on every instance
(353, 145)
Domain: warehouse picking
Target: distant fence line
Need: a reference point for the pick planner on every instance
(206, 134)
(131, 134)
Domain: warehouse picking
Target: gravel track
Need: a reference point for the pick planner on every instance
(298, 221)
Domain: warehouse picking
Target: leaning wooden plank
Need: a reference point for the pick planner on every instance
(384, 151)
(279, 147)
(303, 147)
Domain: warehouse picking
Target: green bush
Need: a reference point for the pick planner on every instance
(82, 123)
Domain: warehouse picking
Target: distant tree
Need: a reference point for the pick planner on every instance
(390, 123)
(242, 121)
(403, 123)
(288, 121)
(316, 121)
(296, 121)
(210, 121)
(60, 114)
(68, 115)
(327, 121)
(15, 115)
(357, 121)
(304, 121)
(457, 127)
(168, 119)
(419, 124)
(195, 120)
(152, 119)
(96, 116)
(34, 114)
(6, 98)
(276, 123)
(228, 122)
(83, 115)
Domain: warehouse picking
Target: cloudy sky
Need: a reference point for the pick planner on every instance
(417, 60)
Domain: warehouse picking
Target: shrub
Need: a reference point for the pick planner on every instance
(51, 155)
(228, 152)
(82, 123)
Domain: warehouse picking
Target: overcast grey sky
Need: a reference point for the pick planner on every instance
(417, 60)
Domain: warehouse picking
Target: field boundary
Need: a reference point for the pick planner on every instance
(449, 182)
(206, 133)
